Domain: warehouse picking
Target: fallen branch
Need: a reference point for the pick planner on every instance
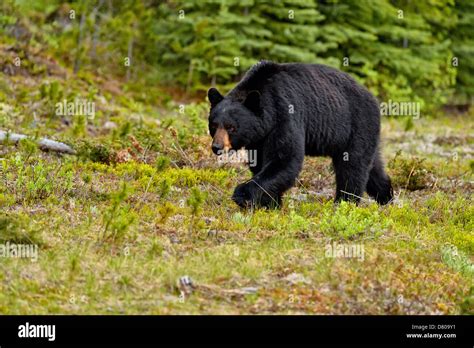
(43, 143)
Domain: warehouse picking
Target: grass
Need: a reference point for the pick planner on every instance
(141, 221)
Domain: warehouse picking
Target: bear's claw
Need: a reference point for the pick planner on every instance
(250, 194)
(243, 196)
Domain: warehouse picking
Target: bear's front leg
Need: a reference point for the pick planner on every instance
(252, 194)
(266, 188)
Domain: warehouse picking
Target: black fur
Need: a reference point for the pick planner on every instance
(287, 111)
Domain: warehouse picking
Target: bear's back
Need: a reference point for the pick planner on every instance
(312, 76)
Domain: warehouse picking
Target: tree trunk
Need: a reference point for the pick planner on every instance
(77, 62)
(95, 34)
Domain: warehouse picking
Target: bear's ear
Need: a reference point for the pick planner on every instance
(214, 96)
(252, 102)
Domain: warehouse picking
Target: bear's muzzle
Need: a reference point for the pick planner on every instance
(221, 141)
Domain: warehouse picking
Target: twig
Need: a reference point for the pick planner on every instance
(307, 191)
(352, 194)
(183, 153)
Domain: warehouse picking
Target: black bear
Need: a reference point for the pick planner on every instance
(286, 111)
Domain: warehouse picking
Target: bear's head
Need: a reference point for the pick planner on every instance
(234, 124)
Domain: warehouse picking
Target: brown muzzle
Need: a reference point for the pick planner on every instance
(221, 141)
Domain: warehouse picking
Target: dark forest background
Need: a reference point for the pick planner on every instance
(400, 49)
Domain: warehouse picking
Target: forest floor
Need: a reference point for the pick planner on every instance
(141, 220)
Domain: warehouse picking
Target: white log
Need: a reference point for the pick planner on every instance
(43, 143)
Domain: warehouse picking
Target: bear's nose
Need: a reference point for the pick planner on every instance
(216, 148)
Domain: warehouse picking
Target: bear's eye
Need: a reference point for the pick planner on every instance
(229, 128)
(214, 125)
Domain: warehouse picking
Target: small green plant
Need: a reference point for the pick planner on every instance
(194, 202)
(197, 119)
(79, 126)
(51, 91)
(119, 217)
(15, 228)
(162, 163)
(457, 260)
(125, 129)
(467, 304)
(349, 221)
(86, 178)
(99, 153)
(9, 226)
(298, 223)
(156, 249)
(242, 219)
(165, 210)
(29, 147)
(409, 124)
(164, 188)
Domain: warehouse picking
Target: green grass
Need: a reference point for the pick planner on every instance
(145, 204)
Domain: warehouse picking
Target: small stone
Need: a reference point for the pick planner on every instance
(212, 233)
(110, 125)
(295, 278)
(209, 220)
(186, 284)
(173, 238)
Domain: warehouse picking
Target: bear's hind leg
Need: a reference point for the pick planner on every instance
(379, 185)
(351, 177)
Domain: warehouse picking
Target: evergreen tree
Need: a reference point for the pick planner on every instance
(199, 41)
(463, 49)
(402, 50)
(216, 41)
(390, 48)
(291, 31)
